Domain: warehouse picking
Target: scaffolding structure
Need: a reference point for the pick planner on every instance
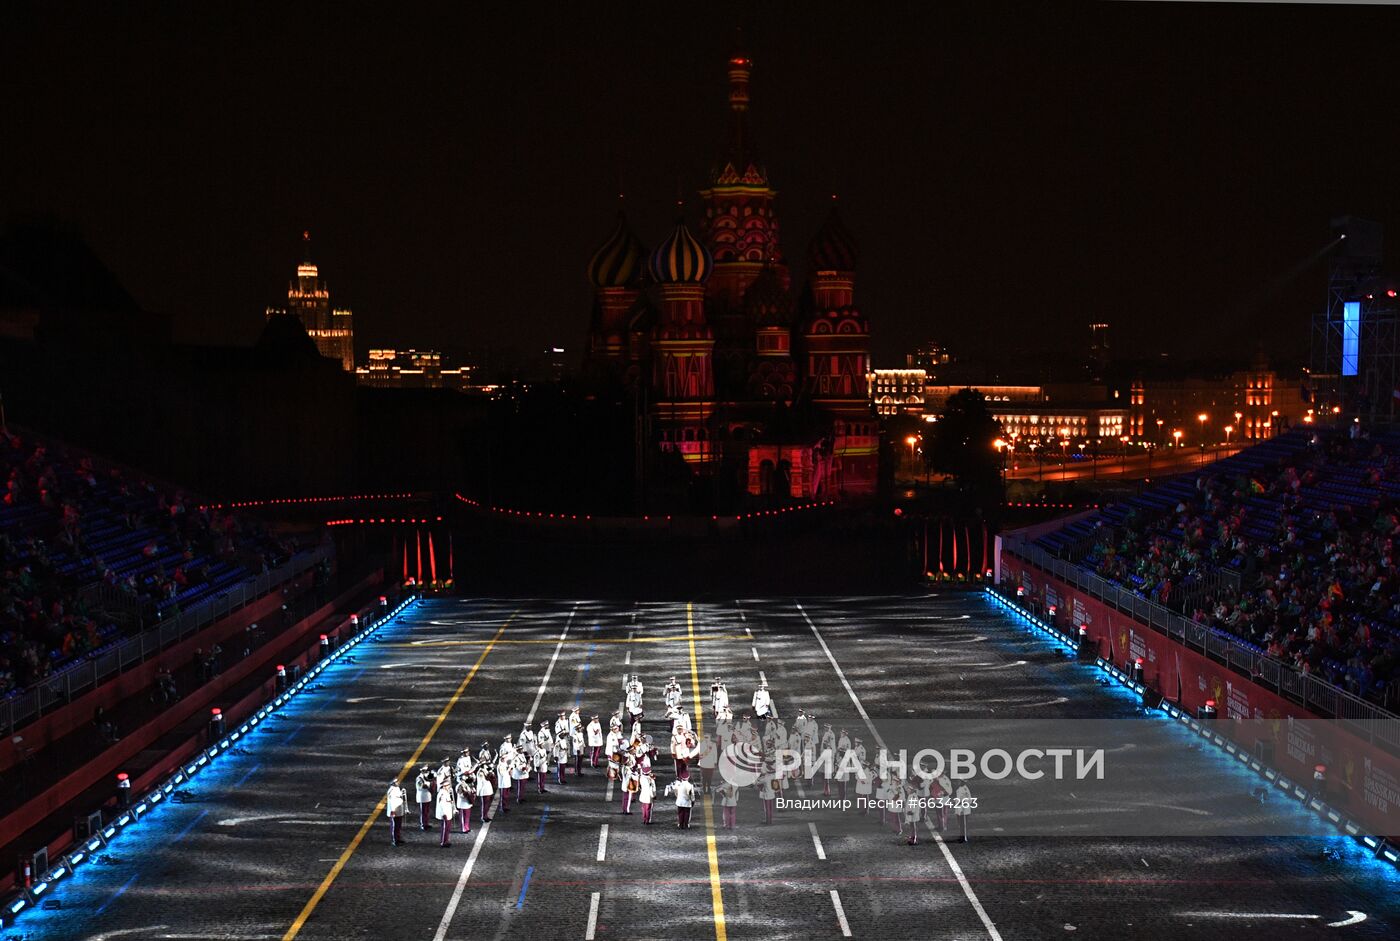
(1355, 362)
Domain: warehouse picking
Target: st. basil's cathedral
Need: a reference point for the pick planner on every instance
(731, 370)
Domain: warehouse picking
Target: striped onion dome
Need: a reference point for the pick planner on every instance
(618, 261)
(833, 248)
(681, 259)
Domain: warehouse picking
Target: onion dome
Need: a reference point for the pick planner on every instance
(833, 248)
(618, 261)
(681, 259)
(766, 302)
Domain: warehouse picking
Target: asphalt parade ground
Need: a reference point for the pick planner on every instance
(286, 838)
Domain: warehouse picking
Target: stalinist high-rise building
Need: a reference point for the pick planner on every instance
(309, 300)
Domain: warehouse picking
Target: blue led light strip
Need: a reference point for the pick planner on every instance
(78, 856)
(1206, 730)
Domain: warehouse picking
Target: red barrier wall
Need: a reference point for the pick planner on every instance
(54, 725)
(1363, 779)
(109, 762)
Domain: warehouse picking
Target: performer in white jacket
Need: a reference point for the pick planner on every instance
(719, 696)
(595, 741)
(762, 702)
(685, 799)
(446, 810)
(396, 805)
(485, 786)
(646, 793)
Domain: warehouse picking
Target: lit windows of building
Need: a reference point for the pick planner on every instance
(893, 391)
(412, 369)
(309, 300)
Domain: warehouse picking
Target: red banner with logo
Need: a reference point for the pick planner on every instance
(1362, 779)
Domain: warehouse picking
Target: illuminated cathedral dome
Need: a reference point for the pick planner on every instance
(833, 248)
(681, 259)
(618, 261)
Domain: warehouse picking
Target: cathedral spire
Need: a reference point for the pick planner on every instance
(740, 66)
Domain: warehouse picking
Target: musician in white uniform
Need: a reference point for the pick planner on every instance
(719, 696)
(505, 779)
(962, 807)
(561, 754)
(672, 698)
(633, 700)
(446, 810)
(485, 785)
(729, 799)
(724, 727)
(630, 784)
(595, 740)
(423, 785)
(539, 763)
(827, 747)
(396, 805)
(466, 795)
(576, 740)
(613, 748)
(762, 703)
(685, 799)
(913, 814)
(709, 758)
(683, 747)
(646, 793)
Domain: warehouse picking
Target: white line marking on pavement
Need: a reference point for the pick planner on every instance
(762, 679)
(1247, 915)
(461, 884)
(627, 661)
(748, 633)
(549, 670)
(603, 843)
(486, 827)
(592, 916)
(817, 841)
(754, 651)
(947, 853)
(840, 914)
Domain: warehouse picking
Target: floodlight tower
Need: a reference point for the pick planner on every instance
(1354, 340)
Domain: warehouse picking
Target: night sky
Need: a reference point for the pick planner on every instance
(1011, 174)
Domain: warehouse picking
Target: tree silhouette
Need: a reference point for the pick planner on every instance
(963, 445)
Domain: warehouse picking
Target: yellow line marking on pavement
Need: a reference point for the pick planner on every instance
(408, 766)
(716, 895)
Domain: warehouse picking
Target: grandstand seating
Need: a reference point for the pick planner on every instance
(87, 550)
(1287, 546)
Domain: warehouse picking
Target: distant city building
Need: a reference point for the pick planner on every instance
(412, 369)
(929, 358)
(1253, 403)
(1042, 412)
(1099, 355)
(309, 300)
(896, 391)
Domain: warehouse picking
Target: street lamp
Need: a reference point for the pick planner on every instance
(1159, 430)
(1202, 419)
(1000, 445)
(1176, 433)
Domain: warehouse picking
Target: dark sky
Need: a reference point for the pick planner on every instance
(1011, 173)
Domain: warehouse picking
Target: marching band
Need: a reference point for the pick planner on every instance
(450, 791)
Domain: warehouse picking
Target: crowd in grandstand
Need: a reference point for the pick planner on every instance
(1306, 542)
(69, 526)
